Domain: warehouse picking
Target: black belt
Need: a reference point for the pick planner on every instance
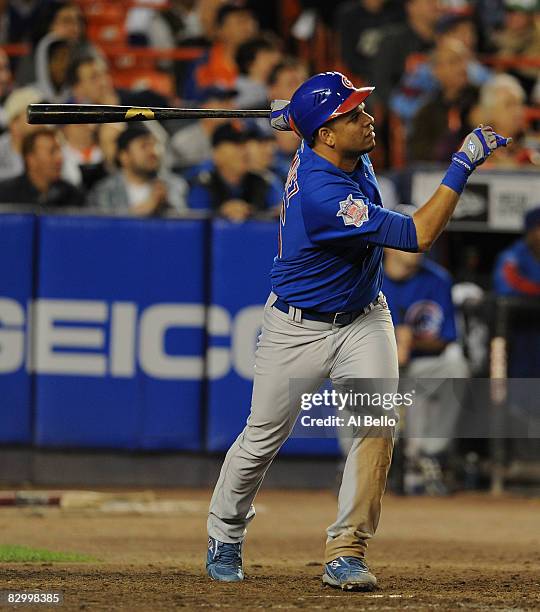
(336, 318)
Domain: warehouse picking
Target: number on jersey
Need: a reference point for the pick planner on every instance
(291, 189)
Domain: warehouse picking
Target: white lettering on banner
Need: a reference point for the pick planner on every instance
(246, 328)
(50, 336)
(123, 337)
(154, 324)
(11, 335)
(218, 357)
(69, 337)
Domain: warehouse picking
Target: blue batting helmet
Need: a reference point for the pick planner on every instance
(321, 98)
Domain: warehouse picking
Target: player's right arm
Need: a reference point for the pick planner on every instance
(432, 218)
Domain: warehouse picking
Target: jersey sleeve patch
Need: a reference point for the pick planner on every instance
(353, 211)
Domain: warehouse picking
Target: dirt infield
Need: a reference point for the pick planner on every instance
(467, 552)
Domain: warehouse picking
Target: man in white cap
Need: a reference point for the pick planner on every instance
(6, 84)
(11, 161)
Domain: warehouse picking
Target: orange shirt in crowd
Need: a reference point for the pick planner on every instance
(220, 70)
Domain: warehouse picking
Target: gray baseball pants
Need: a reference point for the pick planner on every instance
(431, 424)
(290, 347)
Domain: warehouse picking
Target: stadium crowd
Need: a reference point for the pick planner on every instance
(439, 68)
(423, 56)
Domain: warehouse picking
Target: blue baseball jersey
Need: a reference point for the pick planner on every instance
(517, 271)
(332, 231)
(424, 302)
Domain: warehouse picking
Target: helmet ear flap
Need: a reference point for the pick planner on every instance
(295, 129)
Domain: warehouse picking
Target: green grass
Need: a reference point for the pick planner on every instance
(21, 554)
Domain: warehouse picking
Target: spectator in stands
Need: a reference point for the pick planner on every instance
(489, 15)
(261, 147)
(139, 187)
(230, 189)
(82, 148)
(165, 27)
(65, 20)
(139, 23)
(91, 82)
(416, 35)
(420, 300)
(192, 145)
(462, 27)
(11, 160)
(207, 13)
(234, 25)
(41, 181)
(502, 105)
(179, 23)
(5, 85)
(256, 58)
(283, 81)
(5, 76)
(285, 78)
(20, 19)
(517, 269)
(417, 85)
(4, 22)
(52, 61)
(360, 28)
(520, 37)
(443, 122)
(56, 20)
(107, 136)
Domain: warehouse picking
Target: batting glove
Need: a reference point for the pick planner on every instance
(279, 117)
(476, 148)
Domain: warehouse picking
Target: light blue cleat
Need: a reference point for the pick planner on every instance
(349, 574)
(224, 561)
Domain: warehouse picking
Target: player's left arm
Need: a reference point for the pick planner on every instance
(434, 215)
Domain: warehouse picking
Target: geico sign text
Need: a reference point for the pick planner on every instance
(97, 338)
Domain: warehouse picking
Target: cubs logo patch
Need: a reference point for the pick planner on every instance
(353, 212)
(426, 317)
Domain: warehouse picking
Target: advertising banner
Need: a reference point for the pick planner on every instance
(16, 288)
(119, 322)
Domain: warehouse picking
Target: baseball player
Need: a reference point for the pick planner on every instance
(326, 316)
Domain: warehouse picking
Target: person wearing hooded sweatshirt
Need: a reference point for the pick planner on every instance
(52, 59)
(60, 18)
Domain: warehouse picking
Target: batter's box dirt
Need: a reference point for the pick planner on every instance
(472, 553)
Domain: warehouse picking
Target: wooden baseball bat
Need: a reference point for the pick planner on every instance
(98, 113)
